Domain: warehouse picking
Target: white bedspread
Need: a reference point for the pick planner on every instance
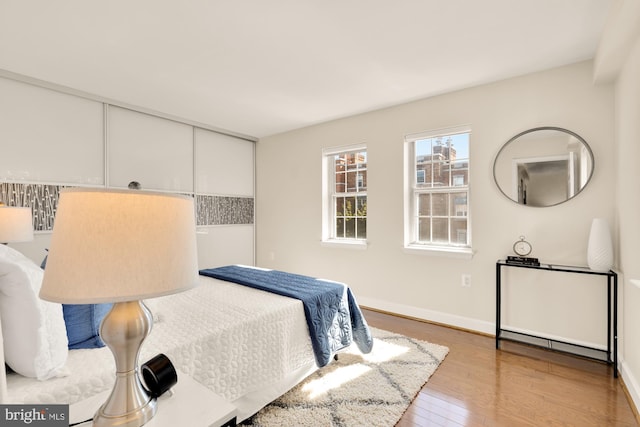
(239, 342)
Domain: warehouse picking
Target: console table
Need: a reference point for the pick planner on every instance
(611, 354)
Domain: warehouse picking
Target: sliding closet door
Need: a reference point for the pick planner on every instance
(224, 171)
(52, 139)
(156, 152)
(49, 140)
(48, 136)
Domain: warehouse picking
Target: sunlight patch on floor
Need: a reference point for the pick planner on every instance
(334, 380)
(384, 352)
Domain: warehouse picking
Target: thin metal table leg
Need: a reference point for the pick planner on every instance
(498, 301)
(615, 325)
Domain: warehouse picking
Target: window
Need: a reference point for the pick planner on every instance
(437, 190)
(345, 195)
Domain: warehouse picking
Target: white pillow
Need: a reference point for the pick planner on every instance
(35, 337)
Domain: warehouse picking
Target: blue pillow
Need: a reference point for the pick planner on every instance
(83, 324)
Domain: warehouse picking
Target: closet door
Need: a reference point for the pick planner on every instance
(48, 136)
(156, 152)
(224, 170)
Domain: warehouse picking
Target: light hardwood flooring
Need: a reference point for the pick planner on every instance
(518, 385)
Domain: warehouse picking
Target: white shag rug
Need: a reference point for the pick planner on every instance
(359, 389)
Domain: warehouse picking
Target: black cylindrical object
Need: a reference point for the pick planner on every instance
(159, 375)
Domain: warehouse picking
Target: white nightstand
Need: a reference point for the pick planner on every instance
(191, 404)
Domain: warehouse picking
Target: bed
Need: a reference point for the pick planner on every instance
(245, 344)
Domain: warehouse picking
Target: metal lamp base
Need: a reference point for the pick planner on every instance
(123, 330)
(135, 419)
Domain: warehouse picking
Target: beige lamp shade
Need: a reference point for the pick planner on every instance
(16, 224)
(120, 245)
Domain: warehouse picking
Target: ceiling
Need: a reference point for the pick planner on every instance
(261, 67)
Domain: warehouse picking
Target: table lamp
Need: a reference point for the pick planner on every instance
(121, 246)
(16, 224)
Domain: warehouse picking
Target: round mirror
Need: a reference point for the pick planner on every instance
(544, 166)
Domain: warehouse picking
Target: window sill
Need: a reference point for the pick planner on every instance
(336, 243)
(460, 253)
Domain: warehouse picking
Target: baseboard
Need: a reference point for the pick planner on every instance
(631, 386)
(430, 315)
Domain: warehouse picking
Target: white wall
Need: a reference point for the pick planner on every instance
(628, 139)
(383, 275)
(618, 61)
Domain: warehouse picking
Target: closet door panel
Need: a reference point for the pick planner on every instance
(225, 245)
(48, 136)
(156, 152)
(224, 164)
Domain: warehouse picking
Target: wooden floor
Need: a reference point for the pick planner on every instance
(518, 385)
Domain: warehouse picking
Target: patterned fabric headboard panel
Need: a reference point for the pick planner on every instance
(42, 198)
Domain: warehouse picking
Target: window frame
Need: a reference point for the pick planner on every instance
(411, 217)
(328, 196)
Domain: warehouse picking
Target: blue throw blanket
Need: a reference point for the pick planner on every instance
(332, 314)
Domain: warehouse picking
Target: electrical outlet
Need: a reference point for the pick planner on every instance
(466, 280)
